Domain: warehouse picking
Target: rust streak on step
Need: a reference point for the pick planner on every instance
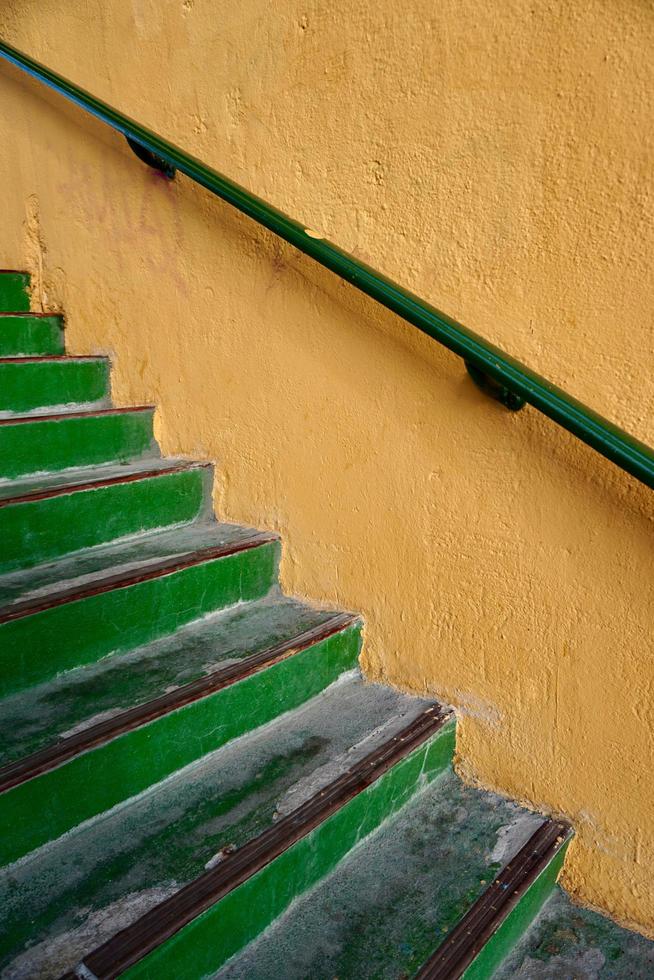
(121, 580)
(60, 752)
(487, 914)
(88, 413)
(66, 489)
(164, 920)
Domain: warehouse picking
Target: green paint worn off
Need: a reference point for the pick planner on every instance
(25, 335)
(25, 385)
(209, 940)
(517, 921)
(95, 781)
(58, 444)
(14, 295)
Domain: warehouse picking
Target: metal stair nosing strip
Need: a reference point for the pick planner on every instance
(33, 417)
(492, 908)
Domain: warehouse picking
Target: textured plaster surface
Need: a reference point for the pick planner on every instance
(494, 158)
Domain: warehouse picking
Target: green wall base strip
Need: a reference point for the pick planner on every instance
(14, 295)
(23, 334)
(127, 610)
(492, 926)
(96, 780)
(44, 525)
(36, 382)
(35, 444)
(203, 925)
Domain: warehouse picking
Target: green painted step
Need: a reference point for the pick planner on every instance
(25, 334)
(40, 716)
(62, 901)
(109, 599)
(97, 778)
(44, 519)
(568, 941)
(14, 295)
(34, 444)
(394, 899)
(212, 937)
(184, 752)
(39, 382)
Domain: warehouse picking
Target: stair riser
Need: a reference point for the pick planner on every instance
(42, 530)
(517, 922)
(37, 647)
(57, 444)
(24, 336)
(99, 779)
(14, 296)
(27, 385)
(207, 942)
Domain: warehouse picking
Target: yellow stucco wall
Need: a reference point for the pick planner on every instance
(495, 158)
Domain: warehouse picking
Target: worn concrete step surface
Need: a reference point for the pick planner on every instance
(399, 895)
(46, 518)
(137, 719)
(113, 598)
(192, 767)
(29, 334)
(568, 941)
(225, 844)
(247, 634)
(28, 383)
(47, 442)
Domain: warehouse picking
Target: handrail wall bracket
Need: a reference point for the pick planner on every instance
(151, 159)
(495, 389)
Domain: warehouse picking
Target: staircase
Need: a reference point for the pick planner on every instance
(186, 751)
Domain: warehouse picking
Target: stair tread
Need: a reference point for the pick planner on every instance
(394, 898)
(88, 476)
(82, 697)
(95, 567)
(568, 941)
(65, 899)
(66, 408)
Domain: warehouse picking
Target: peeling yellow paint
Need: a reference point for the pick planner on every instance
(494, 158)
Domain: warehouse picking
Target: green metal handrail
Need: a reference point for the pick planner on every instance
(499, 374)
